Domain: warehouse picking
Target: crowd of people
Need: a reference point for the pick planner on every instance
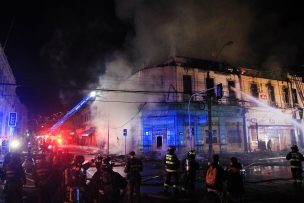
(61, 178)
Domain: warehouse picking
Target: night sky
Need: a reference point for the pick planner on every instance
(58, 49)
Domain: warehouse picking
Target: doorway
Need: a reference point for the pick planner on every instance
(159, 142)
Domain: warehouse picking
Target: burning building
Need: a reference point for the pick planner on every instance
(167, 105)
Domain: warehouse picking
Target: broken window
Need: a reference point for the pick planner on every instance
(294, 96)
(187, 84)
(232, 95)
(254, 90)
(286, 95)
(271, 93)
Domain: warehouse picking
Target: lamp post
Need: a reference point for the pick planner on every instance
(209, 101)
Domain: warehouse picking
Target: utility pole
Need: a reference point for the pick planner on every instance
(108, 137)
(209, 103)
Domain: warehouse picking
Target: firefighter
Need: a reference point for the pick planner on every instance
(75, 180)
(172, 164)
(296, 159)
(133, 168)
(42, 179)
(110, 183)
(93, 185)
(14, 177)
(190, 166)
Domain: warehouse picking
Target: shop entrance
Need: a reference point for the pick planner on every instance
(159, 142)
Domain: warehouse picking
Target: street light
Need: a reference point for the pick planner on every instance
(209, 101)
(218, 94)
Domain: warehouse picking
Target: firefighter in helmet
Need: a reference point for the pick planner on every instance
(75, 180)
(172, 164)
(42, 178)
(94, 184)
(296, 159)
(189, 166)
(14, 177)
(110, 183)
(133, 168)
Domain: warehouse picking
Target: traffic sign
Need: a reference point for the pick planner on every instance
(12, 119)
(125, 132)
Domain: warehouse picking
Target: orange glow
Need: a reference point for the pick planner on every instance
(59, 140)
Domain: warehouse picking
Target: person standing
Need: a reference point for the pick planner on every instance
(190, 166)
(14, 177)
(133, 168)
(94, 184)
(296, 159)
(235, 186)
(215, 177)
(75, 180)
(172, 165)
(42, 179)
(269, 145)
(110, 183)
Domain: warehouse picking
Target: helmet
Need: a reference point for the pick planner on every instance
(99, 158)
(191, 153)
(171, 149)
(294, 148)
(107, 163)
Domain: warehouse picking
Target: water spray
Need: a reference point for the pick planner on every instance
(71, 112)
(271, 109)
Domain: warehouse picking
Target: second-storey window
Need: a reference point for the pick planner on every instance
(294, 96)
(187, 84)
(254, 90)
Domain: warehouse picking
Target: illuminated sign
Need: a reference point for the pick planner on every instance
(12, 119)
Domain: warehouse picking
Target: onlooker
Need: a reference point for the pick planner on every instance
(269, 145)
(235, 186)
(215, 177)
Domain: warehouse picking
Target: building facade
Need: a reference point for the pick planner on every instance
(169, 107)
(10, 103)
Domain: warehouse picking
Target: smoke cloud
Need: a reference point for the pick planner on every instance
(162, 29)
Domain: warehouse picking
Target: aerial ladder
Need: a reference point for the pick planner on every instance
(72, 111)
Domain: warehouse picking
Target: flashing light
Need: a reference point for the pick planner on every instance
(50, 147)
(15, 144)
(59, 140)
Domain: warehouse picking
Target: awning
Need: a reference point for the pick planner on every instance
(88, 132)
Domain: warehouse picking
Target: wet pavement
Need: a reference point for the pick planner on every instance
(267, 179)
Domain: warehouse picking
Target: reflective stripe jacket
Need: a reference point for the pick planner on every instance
(296, 159)
(171, 162)
(14, 174)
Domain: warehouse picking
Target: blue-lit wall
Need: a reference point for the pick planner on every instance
(169, 125)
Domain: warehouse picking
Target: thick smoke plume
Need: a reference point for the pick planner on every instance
(191, 28)
(162, 29)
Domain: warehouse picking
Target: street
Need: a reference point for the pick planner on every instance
(267, 179)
